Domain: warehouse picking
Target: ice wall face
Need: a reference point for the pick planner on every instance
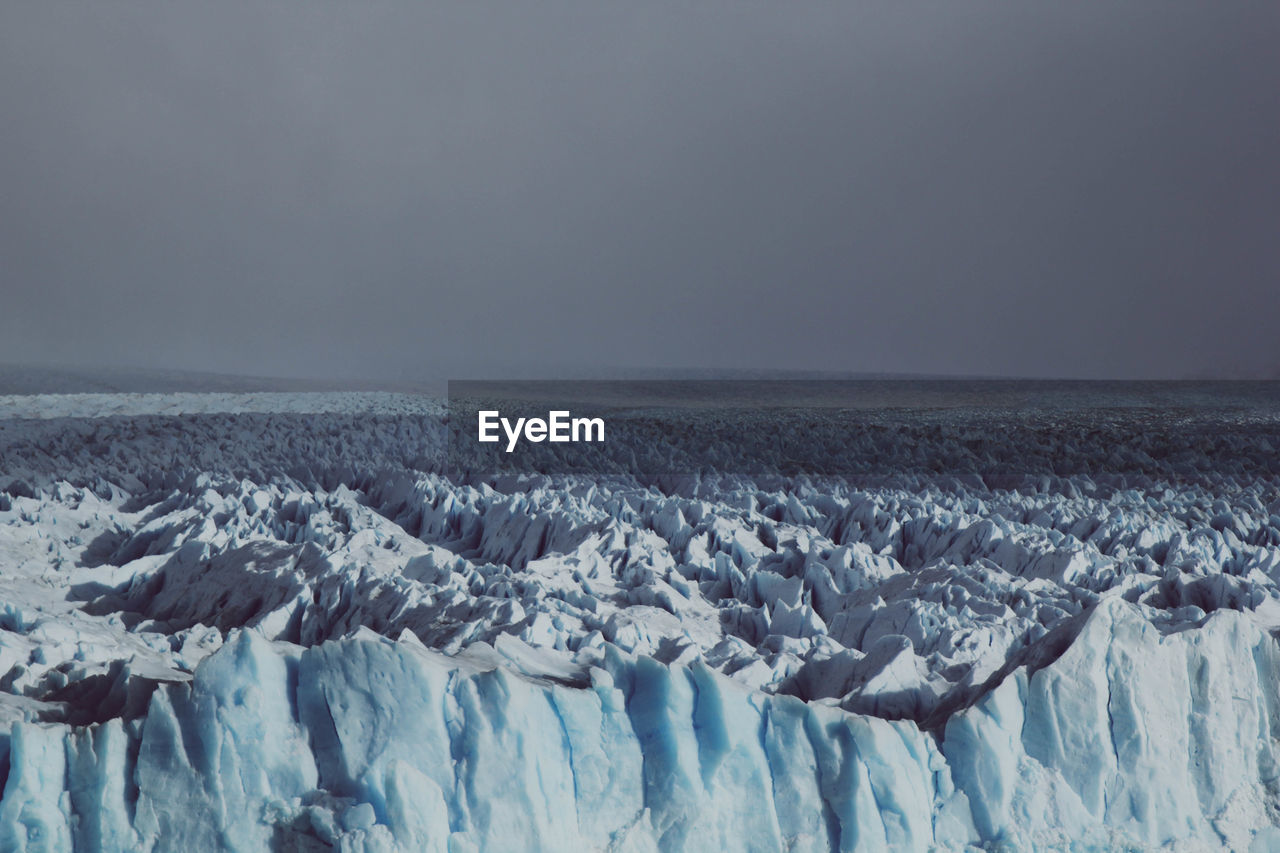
(303, 638)
(1132, 737)
(373, 744)
(1158, 737)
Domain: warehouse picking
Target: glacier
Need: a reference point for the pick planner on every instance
(255, 622)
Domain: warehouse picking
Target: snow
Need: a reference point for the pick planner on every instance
(274, 622)
(100, 405)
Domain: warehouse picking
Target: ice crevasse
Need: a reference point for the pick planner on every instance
(1133, 738)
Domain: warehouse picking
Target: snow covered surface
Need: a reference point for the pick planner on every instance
(99, 405)
(274, 622)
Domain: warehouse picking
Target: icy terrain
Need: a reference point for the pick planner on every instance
(275, 622)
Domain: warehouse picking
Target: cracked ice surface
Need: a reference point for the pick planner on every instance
(224, 628)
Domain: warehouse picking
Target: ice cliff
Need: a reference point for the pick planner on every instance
(1132, 737)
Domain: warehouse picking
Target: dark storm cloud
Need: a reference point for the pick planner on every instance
(374, 190)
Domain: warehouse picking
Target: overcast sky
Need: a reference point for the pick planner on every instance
(394, 191)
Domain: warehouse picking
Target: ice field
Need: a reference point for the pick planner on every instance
(276, 621)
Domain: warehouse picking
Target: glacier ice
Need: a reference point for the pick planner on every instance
(237, 627)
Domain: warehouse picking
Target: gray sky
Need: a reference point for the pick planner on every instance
(451, 188)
